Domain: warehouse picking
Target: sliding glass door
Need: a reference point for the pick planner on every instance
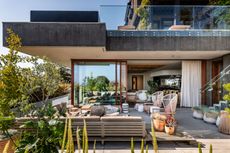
(98, 82)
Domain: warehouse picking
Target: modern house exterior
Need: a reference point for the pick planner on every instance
(180, 45)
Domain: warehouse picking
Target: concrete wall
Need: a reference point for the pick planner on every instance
(167, 43)
(146, 77)
(95, 34)
(58, 34)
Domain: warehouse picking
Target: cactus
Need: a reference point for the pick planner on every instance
(94, 146)
(78, 140)
(210, 149)
(142, 145)
(147, 149)
(70, 143)
(6, 148)
(154, 140)
(85, 139)
(199, 148)
(68, 134)
(132, 146)
(64, 136)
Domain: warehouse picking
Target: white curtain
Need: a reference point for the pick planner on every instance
(191, 83)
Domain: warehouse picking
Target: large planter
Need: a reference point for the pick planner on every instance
(218, 121)
(198, 114)
(11, 146)
(159, 125)
(169, 130)
(210, 117)
(224, 126)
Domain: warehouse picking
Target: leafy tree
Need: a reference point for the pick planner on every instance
(143, 13)
(90, 83)
(220, 2)
(222, 13)
(65, 74)
(43, 78)
(10, 76)
(102, 83)
(227, 88)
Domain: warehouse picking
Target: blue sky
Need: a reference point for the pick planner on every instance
(19, 10)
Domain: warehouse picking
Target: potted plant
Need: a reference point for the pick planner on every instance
(159, 122)
(210, 116)
(224, 126)
(170, 125)
(198, 111)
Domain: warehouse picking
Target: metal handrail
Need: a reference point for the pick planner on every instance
(224, 72)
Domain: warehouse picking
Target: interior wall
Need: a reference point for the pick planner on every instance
(140, 82)
(146, 77)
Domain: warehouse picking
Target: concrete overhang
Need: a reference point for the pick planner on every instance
(62, 42)
(64, 54)
(168, 40)
(58, 34)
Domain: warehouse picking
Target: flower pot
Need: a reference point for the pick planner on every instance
(159, 125)
(170, 130)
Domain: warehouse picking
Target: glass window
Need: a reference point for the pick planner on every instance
(98, 83)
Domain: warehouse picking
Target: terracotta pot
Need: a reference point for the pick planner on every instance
(11, 146)
(224, 126)
(170, 130)
(159, 125)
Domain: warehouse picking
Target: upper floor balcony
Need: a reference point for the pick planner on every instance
(181, 27)
(166, 17)
(132, 28)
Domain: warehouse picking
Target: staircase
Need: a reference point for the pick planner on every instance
(222, 78)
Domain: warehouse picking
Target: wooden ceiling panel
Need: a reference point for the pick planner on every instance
(142, 68)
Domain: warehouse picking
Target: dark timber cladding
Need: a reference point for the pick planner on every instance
(64, 16)
(58, 34)
(167, 43)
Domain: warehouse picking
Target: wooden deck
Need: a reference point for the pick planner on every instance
(163, 137)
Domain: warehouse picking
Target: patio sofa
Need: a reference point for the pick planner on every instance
(103, 128)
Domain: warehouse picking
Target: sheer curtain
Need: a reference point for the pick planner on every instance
(191, 83)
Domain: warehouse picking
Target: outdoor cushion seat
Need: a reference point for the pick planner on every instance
(123, 126)
(121, 119)
(86, 118)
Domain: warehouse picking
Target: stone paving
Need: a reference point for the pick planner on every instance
(204, 133)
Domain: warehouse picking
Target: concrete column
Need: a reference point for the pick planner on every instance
(209, 77)
(226, 62)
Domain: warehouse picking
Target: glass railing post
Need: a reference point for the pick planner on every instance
(193, 18)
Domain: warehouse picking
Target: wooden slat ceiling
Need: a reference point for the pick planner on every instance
(142, 68)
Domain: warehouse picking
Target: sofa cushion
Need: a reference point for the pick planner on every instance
(86, 118)
(121, 119)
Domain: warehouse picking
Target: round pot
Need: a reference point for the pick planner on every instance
(224, 126)
(159, 125)
(210, 117)
(170, 130)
